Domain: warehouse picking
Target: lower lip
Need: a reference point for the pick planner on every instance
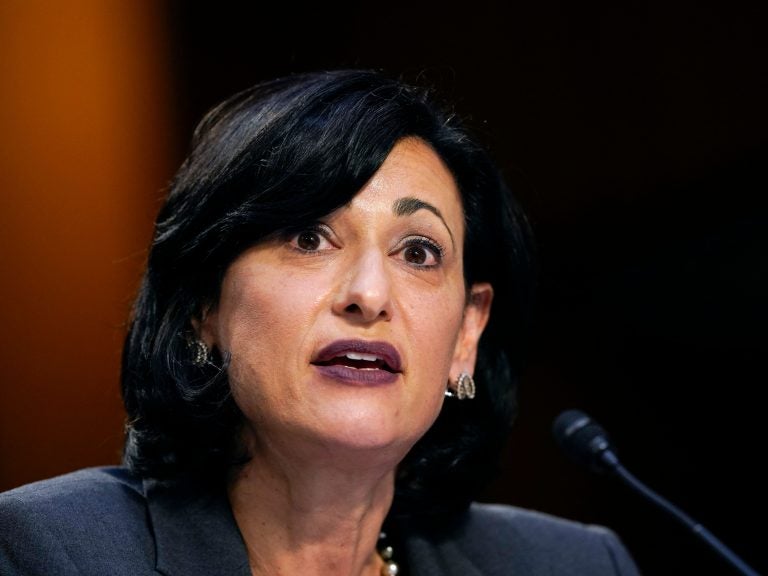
(357, 376)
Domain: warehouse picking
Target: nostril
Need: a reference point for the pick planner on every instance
(353, 308)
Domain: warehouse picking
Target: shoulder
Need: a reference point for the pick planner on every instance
(563, 546)
(86, 481)
(90, 494)
(498, 540)
(501, 521)
(44, 525)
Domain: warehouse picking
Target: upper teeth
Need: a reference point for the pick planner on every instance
(358, 356)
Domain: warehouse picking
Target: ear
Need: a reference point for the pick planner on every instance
(204, 326)
(476, 315)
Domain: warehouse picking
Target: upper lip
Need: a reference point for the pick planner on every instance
(382, 350)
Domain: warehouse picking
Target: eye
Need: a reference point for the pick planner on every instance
(310, 240)
(422, 252)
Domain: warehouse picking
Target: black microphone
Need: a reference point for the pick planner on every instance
(585, 441)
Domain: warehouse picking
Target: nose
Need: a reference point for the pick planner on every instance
(364, 293)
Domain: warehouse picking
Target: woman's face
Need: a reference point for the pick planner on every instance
(346, 334)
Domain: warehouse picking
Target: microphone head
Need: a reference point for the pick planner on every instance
(584, 441)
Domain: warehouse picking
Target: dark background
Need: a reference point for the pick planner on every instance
(636, 137)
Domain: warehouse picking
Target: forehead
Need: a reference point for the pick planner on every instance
(412, 170)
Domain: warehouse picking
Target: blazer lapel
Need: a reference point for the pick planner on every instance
(195, 533)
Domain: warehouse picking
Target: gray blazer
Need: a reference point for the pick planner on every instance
(106, 521)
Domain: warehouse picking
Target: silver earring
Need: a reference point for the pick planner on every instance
(465, 388)
(200, 353)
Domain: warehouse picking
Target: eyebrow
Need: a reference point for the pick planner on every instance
(408, 205)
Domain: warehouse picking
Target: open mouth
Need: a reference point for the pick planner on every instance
(360, 355)
(357, 361)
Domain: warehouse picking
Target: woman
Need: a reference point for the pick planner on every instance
(320, 368)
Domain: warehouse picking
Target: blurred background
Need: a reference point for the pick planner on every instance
(635, 135)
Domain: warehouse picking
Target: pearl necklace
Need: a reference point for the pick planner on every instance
(386, 553)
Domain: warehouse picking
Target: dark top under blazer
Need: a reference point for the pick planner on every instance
(106, 521)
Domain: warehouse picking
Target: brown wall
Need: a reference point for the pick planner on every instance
(84, 154)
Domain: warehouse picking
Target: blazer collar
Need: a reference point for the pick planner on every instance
(195, 533)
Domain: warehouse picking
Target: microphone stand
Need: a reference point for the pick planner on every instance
(612, 464)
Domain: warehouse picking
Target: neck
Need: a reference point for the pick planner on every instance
(310, 518)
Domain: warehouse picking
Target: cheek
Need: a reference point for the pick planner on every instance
(435, 327)
(259, 341)
(251, 329)
(263, 309)
(263, 321)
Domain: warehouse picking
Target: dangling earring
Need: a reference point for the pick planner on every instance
(200, 353)
(465, 388)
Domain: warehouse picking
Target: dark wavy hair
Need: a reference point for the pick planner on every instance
(281, 155)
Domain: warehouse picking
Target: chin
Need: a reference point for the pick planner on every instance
(379, 429)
